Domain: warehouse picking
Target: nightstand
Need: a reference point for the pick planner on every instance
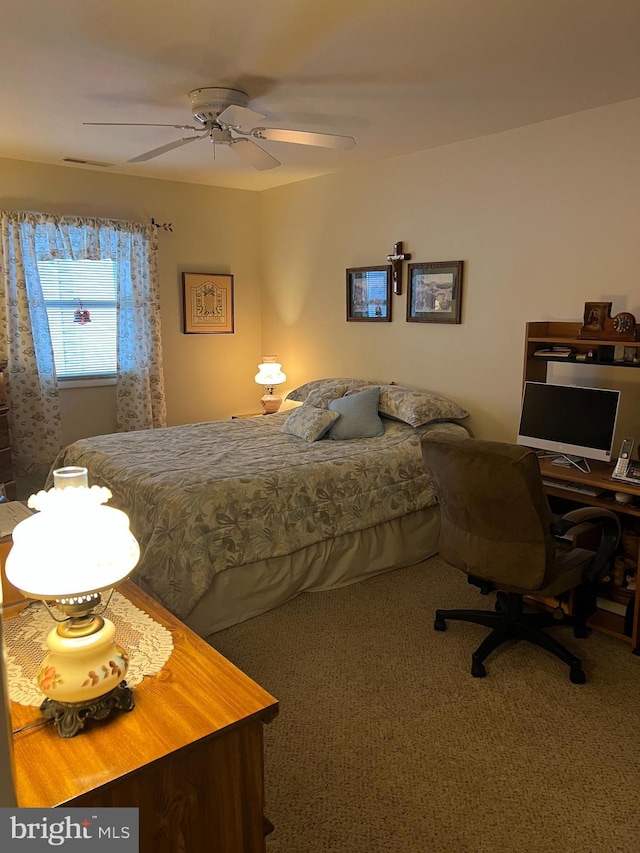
(248, 415)
(189, 756)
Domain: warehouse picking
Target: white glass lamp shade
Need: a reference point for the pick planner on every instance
(73, 546)
(270, 374)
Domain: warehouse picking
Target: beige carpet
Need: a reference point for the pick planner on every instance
(386, 744)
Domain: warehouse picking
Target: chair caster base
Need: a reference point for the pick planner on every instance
(477, 669)
(501, 603)
(439, 624)
(577, 676)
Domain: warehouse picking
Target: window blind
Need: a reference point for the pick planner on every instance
(89, 349)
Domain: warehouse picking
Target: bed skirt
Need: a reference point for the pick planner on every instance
(247, 591)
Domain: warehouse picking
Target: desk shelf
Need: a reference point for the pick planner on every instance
(541, 335)
(600, 477)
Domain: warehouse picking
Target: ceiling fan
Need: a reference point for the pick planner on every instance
(224, 118)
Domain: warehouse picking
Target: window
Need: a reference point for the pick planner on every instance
(81, 349)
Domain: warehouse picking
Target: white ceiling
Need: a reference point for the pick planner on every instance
(397, 75)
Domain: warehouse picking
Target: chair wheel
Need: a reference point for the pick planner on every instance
(501, 603)
(477, 669)
(439, 624)
(577, 675)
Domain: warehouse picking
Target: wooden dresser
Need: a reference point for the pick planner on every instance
(189, 755)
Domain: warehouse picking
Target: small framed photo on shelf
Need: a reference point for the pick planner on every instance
(435, 292)
(369, 294)
(207, 303)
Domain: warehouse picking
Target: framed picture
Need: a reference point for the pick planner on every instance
(207, 303)
(595, 316)
(435, 292)
(369, 294)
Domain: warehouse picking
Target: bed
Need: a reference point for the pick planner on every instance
(236, 517)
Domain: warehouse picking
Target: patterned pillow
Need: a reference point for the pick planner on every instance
(325, 386)
(416, 407)
(358, 416)
(309, 423)
(321, 397)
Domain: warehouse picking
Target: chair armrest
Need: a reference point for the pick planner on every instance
(610, 524)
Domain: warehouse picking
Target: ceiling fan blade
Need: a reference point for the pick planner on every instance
(254, 155)
(149, 155)
(139, 124)
(236, 116)
(303, 137)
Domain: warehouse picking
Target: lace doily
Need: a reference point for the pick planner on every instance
(148, 644)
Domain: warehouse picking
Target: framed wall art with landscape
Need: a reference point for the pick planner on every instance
(435, 292)
(369, 294)
(207, 303)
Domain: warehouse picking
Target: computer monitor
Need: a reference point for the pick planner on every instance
(568, 421)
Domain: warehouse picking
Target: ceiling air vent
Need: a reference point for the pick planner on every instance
(80, 162)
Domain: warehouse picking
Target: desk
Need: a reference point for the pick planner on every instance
(600, 477)
(189, 756)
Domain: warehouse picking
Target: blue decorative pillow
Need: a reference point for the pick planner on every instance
(358, 416)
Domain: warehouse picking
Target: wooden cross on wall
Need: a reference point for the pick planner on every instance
(396, 260)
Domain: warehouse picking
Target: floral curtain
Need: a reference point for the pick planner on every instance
(140, 400)
(25, 342)
(25, 349)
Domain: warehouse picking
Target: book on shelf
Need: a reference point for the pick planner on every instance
(555, 352)
(611, 606)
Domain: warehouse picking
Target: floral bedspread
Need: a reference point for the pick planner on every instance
(203, 498)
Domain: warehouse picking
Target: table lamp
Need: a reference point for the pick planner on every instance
(68, 554)
(270, 374)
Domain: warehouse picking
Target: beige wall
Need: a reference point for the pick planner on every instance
(545, 218)
(214, 230)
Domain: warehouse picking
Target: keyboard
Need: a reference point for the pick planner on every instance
(582, 488)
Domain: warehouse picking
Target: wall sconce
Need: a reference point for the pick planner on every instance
(68, 554)
(270, 374)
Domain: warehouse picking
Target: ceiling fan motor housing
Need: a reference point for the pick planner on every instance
(208, 103)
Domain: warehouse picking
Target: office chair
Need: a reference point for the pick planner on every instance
(496, 525)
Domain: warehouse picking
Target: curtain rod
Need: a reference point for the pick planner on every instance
(166, 226)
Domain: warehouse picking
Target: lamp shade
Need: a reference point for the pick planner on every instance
(270, 373)
(73, 546)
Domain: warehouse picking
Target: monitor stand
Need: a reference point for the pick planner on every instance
(566, 460)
